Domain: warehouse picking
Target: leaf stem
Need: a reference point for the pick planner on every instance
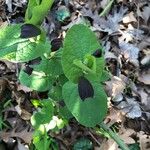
(81, 65)
(35, 14)
(105, 11)
(114, 136)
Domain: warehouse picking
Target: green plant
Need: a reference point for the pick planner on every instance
(74, 73)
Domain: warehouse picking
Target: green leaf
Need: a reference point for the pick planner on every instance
(37, 10)
(14, 48)
(41, 141)
(50, 66)
(83, 144)
(65, 113)
(37, 81)
(30, 50)
(44, 115)
(55, 93)
(79, 42)
(100, 64)
(43, 75)
(9, 36)
(89, 112)
(9, 39)
(105, 76)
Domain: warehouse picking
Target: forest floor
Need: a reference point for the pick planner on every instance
(123, 28)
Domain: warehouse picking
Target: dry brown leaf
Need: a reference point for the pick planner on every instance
(145, 77)
(23, 135)
(114, 116)
(23, 88)
(109, 145)
(126, 136)
(23, 113)
(129, 18)
(115, 87)
(144, 140)
(3, 86)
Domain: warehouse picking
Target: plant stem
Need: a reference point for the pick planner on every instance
(114, 136)
(105, 11)
(35, 14)
(82, 66)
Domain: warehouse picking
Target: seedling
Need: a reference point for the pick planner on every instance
(74, 73)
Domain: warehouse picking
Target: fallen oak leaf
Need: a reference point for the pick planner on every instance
(111, 25)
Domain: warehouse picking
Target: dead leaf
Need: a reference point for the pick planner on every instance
(110, 55)
(112, 23)
(3, 86)
(23, 88)
(144, 140)
(145, 60)
(145, 77)
(144, 43)
(23, 135)
(130, 107)
(9, 5)
(23, 113)
(146, 13)
(104, 3)
(130, 52)
(115, 87)
(131, 33)
(21, 146)
(126, 136)
(129, 18)
(109, 144)
(114, 116)
(144, 97)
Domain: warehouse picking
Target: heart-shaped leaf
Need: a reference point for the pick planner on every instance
(42, 76)
(79, 41)
(16, 49)
(89, 112)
